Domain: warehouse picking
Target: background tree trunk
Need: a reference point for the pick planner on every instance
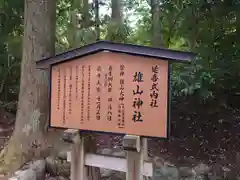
(73, 29)
(237, 23)
(32, 114)
(86, 15)
(116, 11)
(157, 38)
(115, 27)
(97, 21)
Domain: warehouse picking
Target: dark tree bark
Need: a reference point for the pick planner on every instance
(157, 38)
(73, 27)
(115, 27)
(32, 115)
(97, 21)
(86, 15)
(116, 11)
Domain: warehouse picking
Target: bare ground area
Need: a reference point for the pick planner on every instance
(208, 135)
(6, 128)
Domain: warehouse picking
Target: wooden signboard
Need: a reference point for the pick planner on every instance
(108, 91)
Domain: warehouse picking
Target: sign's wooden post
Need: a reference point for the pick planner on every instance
(81, 159)
(133, 166)
(137, 154)
(144, 153)
(77, 154)
(132, 145)
(74, 161)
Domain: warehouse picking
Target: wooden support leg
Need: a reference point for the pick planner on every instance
(132, 145)
(77, 154)
(81, 160)
(144, 154)
(77, 163)
(145, 148)
(82, 143)
(74, 165)
(133, 166)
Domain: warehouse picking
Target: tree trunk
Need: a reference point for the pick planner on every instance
(157, 38)
(97, 21)
(116, 11)
(237, 22)
(115, 27)
(73, 29)
(32, 114)
(77, 24)
(86, 15)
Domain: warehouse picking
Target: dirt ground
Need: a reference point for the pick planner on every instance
(208, 134)
(6, 126)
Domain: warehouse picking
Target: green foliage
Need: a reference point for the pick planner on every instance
(193, 79)
(11, 29)
(208, 28)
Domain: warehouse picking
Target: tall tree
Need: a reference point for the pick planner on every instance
(157, 39)
(32, 113)
(116, 26)
(80, 30)
(86, 15)
(74, 23)
(97, 20)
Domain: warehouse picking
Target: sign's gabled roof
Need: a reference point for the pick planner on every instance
(160, 53)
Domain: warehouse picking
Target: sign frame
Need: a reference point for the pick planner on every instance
(136, 50)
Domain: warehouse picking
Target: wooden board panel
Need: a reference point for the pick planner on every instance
(111, 92)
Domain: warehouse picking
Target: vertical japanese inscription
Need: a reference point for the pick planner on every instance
(58, 89)
(82, 94)
(70, 91)
(121, 108)
(154, 90)
(98, 98)
(109, 87)
(137, 101)
(88, 94)
(64, 96)
(77, 78)
(105, 80)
